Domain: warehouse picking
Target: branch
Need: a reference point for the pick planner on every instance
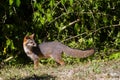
(116, 25)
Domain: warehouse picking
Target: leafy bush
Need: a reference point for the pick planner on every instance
(76, 23)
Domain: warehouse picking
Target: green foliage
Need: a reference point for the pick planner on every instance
(114, 55)
(11, 2)
(76, 23)
(17, 2)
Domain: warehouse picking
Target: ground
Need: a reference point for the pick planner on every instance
(92, 70)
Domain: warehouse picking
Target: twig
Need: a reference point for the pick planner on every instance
(93, 18)
(56, 5)
(71, 23)
(74, 36)
(58, 17)
(116, 25)
(6, 60)
(65, 8)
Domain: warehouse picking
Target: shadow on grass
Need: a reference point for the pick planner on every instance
(35, 77)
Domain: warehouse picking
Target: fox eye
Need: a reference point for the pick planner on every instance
(31, 42)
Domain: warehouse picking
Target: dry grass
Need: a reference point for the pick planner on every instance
(95, 70)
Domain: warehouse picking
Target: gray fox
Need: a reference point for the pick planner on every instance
(50, 50)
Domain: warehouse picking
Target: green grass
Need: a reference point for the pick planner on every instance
(95, 70)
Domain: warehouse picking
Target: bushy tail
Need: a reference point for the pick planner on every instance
(78, 53)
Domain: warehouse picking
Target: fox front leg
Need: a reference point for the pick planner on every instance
(36, 63)
(35, 59)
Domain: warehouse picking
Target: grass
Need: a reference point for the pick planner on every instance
(95, 70)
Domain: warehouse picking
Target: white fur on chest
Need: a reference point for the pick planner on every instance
(30, 54)
(27, 51)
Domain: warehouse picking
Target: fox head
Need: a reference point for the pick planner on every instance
(29, 41)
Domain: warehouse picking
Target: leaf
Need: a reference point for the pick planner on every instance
(8, 42)
(114, 18)
(90, 41)
(11, 2)
(71, 2)
(52, 2)
(5, 51)
(42, 20)
(48, 15)
(77, 28)
(63, 2)
(57, 25)
(105, 19)
(91, 1)
(17, 3)
(114, 56)
(12, 45)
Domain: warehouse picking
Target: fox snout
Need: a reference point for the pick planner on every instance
(32, 44)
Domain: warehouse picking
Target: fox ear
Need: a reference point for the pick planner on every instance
(32, 36)
(26, 36)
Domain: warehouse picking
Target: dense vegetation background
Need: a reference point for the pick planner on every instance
(76, 23)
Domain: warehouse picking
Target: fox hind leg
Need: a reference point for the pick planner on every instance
(61, 62)
(58, 58)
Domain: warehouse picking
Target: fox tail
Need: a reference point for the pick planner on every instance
(78, 53)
